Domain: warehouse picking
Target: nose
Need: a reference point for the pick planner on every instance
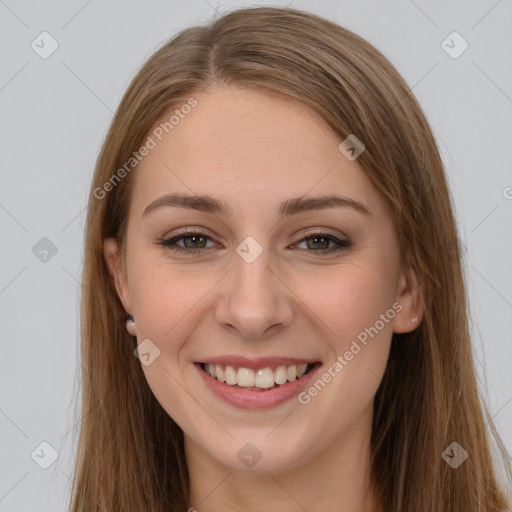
(255, 302)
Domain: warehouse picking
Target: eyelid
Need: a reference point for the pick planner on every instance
(340, 244)
(305, 233)
(190, 231)
(315, 231)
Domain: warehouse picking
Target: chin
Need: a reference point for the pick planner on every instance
(249, 450)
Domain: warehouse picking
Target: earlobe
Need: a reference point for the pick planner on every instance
(408, 295)
(112, 257)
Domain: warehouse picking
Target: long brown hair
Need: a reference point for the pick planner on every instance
(130, 452)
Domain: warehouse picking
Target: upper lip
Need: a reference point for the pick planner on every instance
(256, 363)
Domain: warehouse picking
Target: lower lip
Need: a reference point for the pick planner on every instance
(245, 399)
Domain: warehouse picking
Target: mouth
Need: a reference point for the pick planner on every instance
(261, 383)
(262, 379)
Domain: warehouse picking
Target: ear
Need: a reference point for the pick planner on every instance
(408, 295)
(113, 259)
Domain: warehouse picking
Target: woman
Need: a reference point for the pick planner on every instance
(274, 314)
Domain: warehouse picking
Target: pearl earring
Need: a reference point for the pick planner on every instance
(130, 325)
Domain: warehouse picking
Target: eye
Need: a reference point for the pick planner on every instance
(322, 241)
(195, 241)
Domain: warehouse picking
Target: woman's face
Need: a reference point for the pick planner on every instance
(276, 281)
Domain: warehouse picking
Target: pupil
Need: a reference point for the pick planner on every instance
(193, 238)
(320, 238)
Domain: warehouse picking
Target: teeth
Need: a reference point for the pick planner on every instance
(245, 377)
(281, 375)
(263, 378)
(220, 374)
(291, 373)
(230, 375)
(211, 370)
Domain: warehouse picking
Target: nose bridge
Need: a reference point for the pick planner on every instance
(255, 299)
(253, 277)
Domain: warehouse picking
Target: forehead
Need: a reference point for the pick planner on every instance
(248, 147)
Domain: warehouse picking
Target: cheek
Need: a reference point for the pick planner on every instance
(167, 303)
(351, 300)
(344, 300)
(358, 308)
(356, 305)
(167, 300)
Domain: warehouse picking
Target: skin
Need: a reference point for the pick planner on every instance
(255, 150)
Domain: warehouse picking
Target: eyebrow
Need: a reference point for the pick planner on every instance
(293, 206)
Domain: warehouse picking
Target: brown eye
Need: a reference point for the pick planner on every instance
(320, 243)
(193, 242)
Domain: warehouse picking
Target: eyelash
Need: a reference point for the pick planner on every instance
(341, 244)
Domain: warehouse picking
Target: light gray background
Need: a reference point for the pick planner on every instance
(55, 113)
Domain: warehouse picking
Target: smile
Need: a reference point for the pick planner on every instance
(256, 384)
(257, 380)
